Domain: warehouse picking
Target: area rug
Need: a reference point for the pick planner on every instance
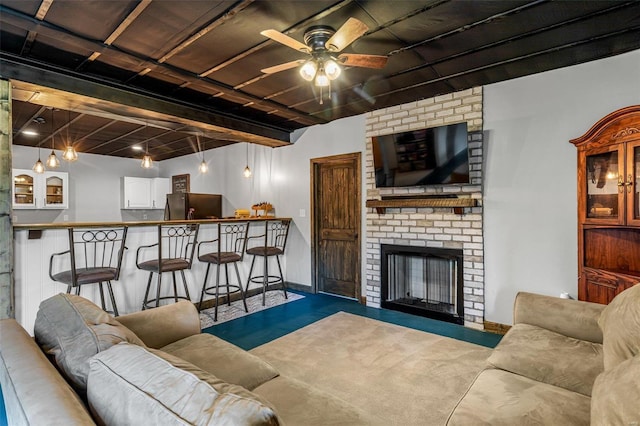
(399, 375)
(254, 304)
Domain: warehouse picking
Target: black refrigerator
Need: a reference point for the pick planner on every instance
(205, 206)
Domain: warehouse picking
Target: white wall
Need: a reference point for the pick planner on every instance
(94, 188)
(280, 176)
(530, 174)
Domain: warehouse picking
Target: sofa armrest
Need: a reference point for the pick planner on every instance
(34, 392)
(161, 326)
(568, 317)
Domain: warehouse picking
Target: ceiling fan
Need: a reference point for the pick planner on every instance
(324, 43)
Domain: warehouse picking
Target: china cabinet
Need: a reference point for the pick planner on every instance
(608, 206)
(49, 190)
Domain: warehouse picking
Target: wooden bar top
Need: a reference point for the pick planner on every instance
(65, 225)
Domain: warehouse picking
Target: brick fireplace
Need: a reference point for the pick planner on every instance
(433, 227)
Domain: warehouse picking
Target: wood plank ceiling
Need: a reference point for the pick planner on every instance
(207, 56)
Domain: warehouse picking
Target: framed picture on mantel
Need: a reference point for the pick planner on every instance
(180, 183)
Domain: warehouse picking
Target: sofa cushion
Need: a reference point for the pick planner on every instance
(129, 384)
(498, 397)
(223, 359)
(549, 357)
(616, 394)
(620, 324)
(297, 403)
(72, 329)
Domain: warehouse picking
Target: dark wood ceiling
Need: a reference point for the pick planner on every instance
(207, 55)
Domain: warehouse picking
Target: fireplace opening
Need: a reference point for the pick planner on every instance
(423, 281)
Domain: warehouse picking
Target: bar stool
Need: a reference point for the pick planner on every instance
(95, 256)
(174, 249)
(273, 243)
(227, 248)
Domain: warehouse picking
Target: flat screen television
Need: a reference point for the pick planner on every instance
(432, 156)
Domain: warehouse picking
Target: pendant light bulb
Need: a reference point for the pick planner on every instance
(247, 172)
(147, 162)
(204, 168)
(39, 166)
(52, 160)
(69, 153)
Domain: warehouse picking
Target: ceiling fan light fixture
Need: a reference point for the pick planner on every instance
(331, 69)
(321, 79)
(308, 70)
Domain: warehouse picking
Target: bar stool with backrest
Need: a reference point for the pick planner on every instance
(174, 250)
(227, 248)
(94, 257)
(270, 244)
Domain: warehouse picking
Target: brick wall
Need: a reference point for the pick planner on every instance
(430, 227)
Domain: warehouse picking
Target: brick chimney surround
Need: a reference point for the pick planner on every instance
(437, 227)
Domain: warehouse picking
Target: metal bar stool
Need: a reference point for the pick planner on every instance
(95, 256)
(227, 248)
(175, 249)
(273, 243)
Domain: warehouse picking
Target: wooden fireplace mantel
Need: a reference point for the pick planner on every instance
(458, 204)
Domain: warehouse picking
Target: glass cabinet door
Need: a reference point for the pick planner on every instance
(55, 191)
(23, 190)
(603, 192)
(632, 183)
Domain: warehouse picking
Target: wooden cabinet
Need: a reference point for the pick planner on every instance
(49, 190)
(145, 193)
(608, 206)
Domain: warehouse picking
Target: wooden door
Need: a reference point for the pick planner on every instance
(335, 206)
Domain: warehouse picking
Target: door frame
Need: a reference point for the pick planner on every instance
(315, 164)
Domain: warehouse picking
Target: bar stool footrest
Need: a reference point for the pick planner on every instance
(150, 304)
(271, 279)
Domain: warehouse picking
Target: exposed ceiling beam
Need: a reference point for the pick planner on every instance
(31, 35)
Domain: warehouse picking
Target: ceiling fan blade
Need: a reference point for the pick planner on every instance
(365, 61)
(286, 40)
(282, 67)
(347, 34)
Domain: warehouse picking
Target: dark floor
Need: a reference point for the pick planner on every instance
(261, 327)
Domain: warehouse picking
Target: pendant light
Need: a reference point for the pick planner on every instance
(39, 166)
(247, 171)
(204, 167)
(69, 153)
(147, 162)
(52, 160)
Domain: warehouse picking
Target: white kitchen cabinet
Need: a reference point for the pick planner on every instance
(145, 193)
(49, 190)
(161, 187)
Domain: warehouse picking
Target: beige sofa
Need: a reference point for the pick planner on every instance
(150, 367)
(564, 362)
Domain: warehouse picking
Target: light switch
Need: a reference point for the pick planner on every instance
(303, 213)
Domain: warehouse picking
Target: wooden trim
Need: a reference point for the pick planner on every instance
(457, 204)
(496, 328)
(314, 163)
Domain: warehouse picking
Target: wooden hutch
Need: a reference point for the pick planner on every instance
(608, 206)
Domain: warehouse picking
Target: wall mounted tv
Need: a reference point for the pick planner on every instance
(432, 156)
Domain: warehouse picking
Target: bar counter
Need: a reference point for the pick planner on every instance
(36, 242)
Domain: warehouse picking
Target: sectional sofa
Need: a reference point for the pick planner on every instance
(563, 362)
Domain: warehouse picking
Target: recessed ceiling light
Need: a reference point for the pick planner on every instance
(136, 148)
(30, 133)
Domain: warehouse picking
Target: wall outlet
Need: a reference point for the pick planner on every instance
(144, 217)
(65, 217)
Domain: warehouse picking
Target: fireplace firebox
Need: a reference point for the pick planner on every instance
(423, 281)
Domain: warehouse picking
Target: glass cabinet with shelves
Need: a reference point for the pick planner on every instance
(49, 190)
(608, 206)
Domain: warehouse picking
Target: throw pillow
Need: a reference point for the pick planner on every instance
(615, 395)
(129, 384)
(72, 329)
(620, 325)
